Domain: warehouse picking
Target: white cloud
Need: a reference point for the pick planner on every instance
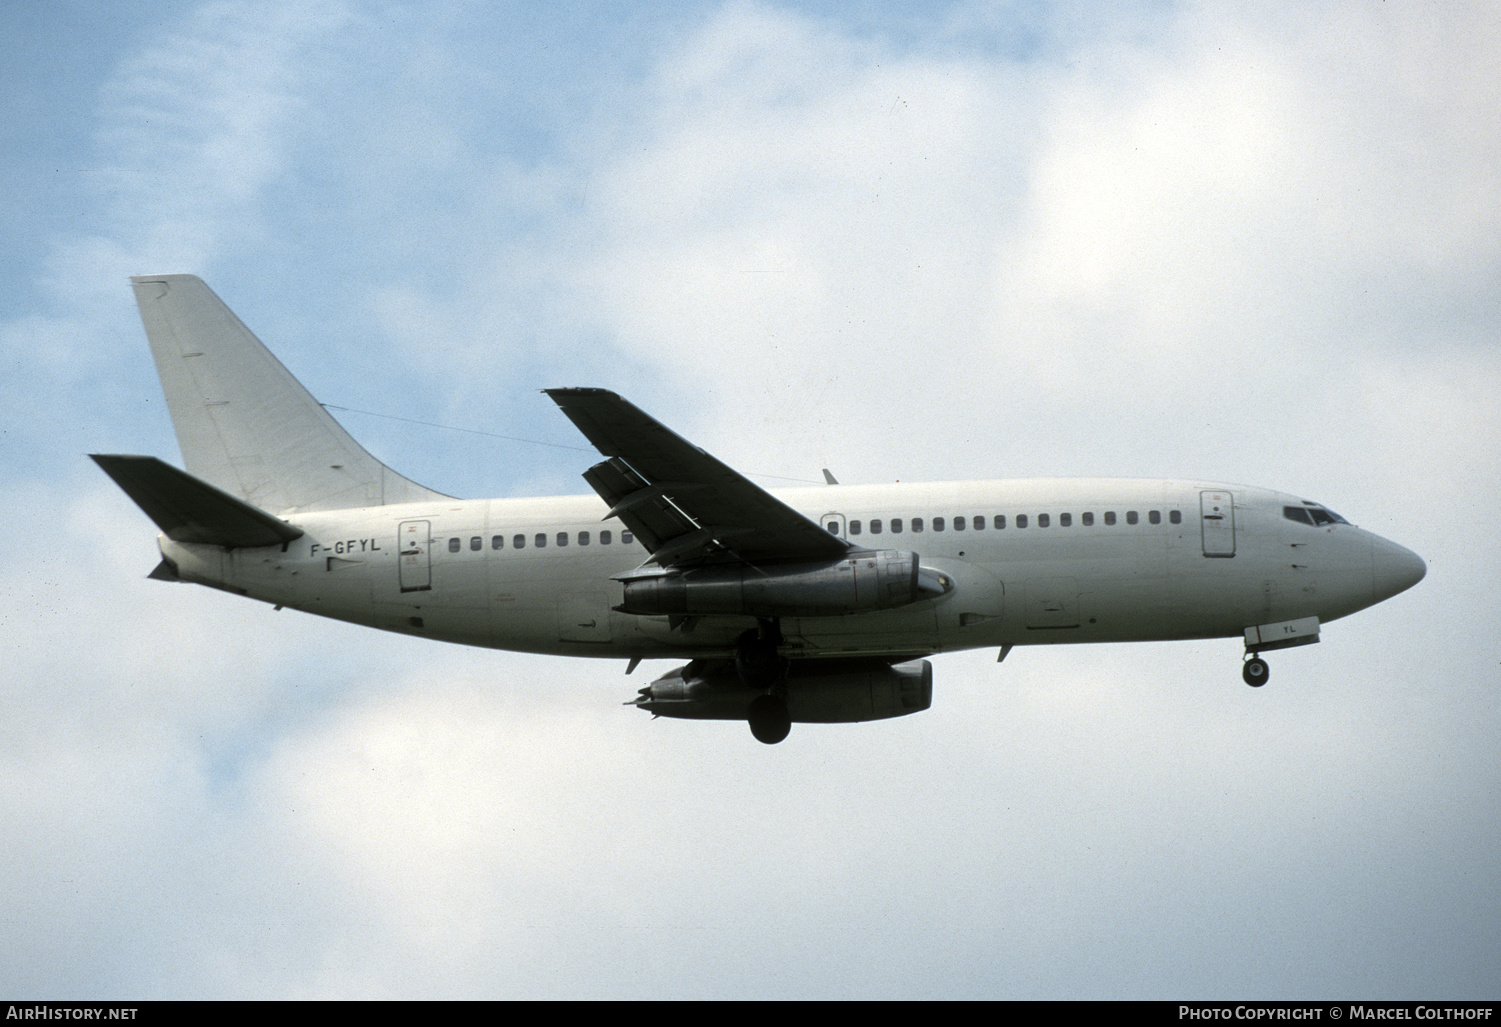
(850, 240)
(195, 125)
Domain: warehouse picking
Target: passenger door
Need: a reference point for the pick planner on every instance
(1217, 515)
(413, 545)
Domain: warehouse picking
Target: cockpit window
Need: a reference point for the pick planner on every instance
(1311, 513)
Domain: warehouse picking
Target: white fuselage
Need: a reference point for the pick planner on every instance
(1031, 562)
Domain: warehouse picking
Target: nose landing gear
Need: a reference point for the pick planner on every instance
(1283, 634)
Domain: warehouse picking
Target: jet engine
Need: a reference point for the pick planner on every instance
(817, 691)
(877, 580)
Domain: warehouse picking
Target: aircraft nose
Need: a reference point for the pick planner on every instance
(1394, 568)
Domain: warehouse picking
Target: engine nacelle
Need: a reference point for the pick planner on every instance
(818, 691)
(862, 583)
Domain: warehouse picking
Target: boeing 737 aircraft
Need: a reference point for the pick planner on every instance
(807, 604)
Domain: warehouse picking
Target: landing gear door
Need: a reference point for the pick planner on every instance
(1217, 515)
(413, 544)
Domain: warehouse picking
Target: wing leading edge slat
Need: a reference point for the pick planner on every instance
(685, 506)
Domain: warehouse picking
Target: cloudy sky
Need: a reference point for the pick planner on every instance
(1243, 242)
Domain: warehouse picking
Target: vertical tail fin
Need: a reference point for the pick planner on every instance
(244, 423)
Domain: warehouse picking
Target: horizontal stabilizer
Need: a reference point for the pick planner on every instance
(189, 510)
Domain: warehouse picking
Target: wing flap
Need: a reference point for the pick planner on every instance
(684, 505)
(190, 510)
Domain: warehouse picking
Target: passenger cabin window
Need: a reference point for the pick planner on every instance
(519, 542)
(541, 540)
(937, 523)
(583, 538)
(453, 545)
(1043, 520)
(979, 522)
(896, 525)
(625, 538)
(854, 527)
(1131, 517)
(497, 542)
(1175, 516)
(604, 537)
(1087, 519)
(875, 526)
(916, 524)
(999, 521)
(1065, 520)
(1155, 516)
(1021, 520)
(476, 544)
(562, 538)
(833, 527)
(1109, 516)
(958, 523)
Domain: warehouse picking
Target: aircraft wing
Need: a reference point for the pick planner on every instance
(684, 505)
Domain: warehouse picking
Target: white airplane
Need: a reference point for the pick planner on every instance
(806, 604)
